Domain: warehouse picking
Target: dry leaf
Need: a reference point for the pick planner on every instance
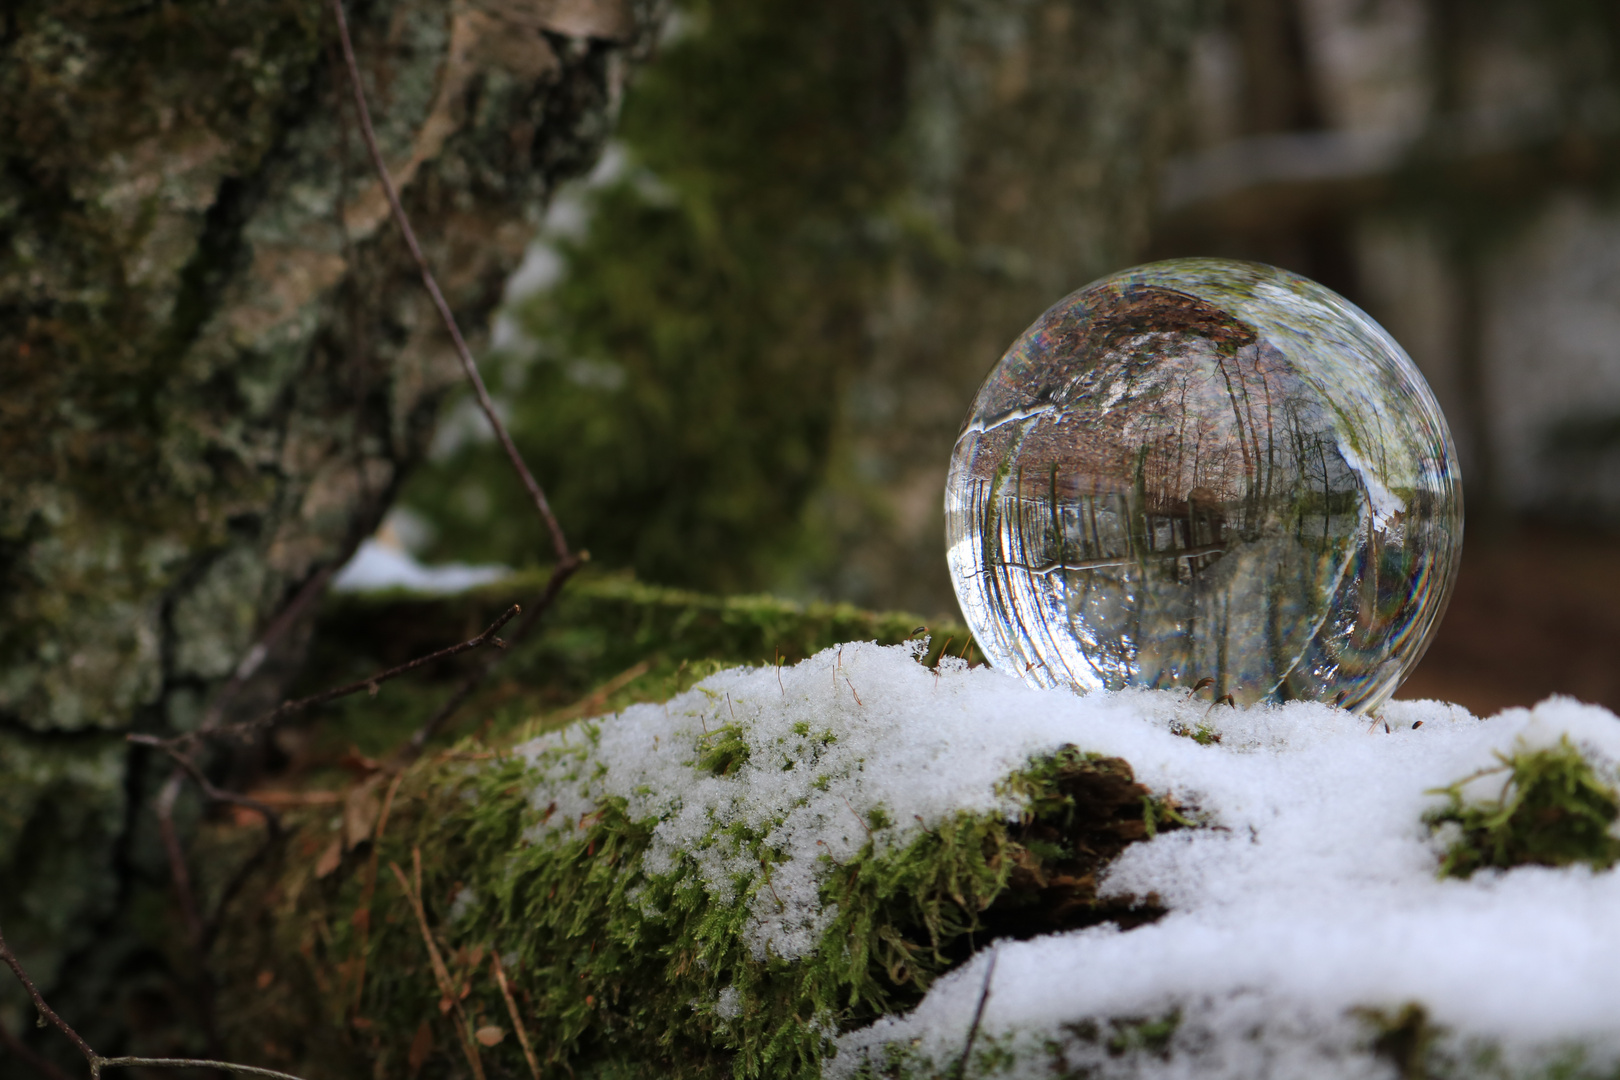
(360, 809)
(421, 1047)
(330, 859)
(489, 1035)
(266, 977)
(358, 763)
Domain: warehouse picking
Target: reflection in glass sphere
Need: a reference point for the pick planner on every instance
(1204, 468)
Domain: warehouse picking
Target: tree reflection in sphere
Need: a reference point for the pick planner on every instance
(1206, 468)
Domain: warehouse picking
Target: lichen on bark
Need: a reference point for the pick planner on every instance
(219, 362)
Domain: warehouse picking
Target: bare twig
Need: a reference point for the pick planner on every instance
(179, 743)
(45, 1010)
(177, 856)
(207, 786)
(978, 1015)
(559, 543)
(441, 974)
(567, 561)
(95, 1060)
(458, 697)
(517, 1018)
(187, 1063)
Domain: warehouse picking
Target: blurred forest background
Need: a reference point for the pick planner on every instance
(740, 351)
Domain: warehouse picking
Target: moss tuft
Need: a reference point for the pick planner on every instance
(724, 751)
(1406, 1039)
(1554, 809)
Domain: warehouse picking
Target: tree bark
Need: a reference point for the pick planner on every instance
(216, 364)
(1038, 130)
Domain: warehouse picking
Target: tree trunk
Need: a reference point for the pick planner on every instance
(216, 363)
(1038, 131)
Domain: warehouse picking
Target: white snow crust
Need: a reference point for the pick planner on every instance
(1312, 894)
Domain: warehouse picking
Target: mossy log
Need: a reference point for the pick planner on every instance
(218, 363)
(734, 883)
(379, 939)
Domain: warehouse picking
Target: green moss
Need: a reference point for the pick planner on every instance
(1204, 734)
(684, 402)
(622, 967)
(1405, 1038)
(724, 751)
(1554, 810)
(610, 641)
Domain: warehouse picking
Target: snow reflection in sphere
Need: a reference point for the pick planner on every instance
(1206, 468)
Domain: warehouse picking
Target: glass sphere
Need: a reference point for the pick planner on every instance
(1204, 468)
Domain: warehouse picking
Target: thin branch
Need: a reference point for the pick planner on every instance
(95, 1060)
(177, 856)
(185, 1063)
(441, 974)
(45, 1010)
(209, 789)
(458, 697)
(978, 1015)
(370, 683)
(559, 543)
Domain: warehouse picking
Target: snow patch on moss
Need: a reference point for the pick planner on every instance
(858, 743)
(1314, 904)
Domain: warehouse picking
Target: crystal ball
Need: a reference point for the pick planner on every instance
(1206, 469)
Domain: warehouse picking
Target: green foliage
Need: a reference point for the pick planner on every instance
(1554, 810)
(683, 406)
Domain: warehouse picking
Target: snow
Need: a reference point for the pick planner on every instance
(1313, 895)
(377, 566)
